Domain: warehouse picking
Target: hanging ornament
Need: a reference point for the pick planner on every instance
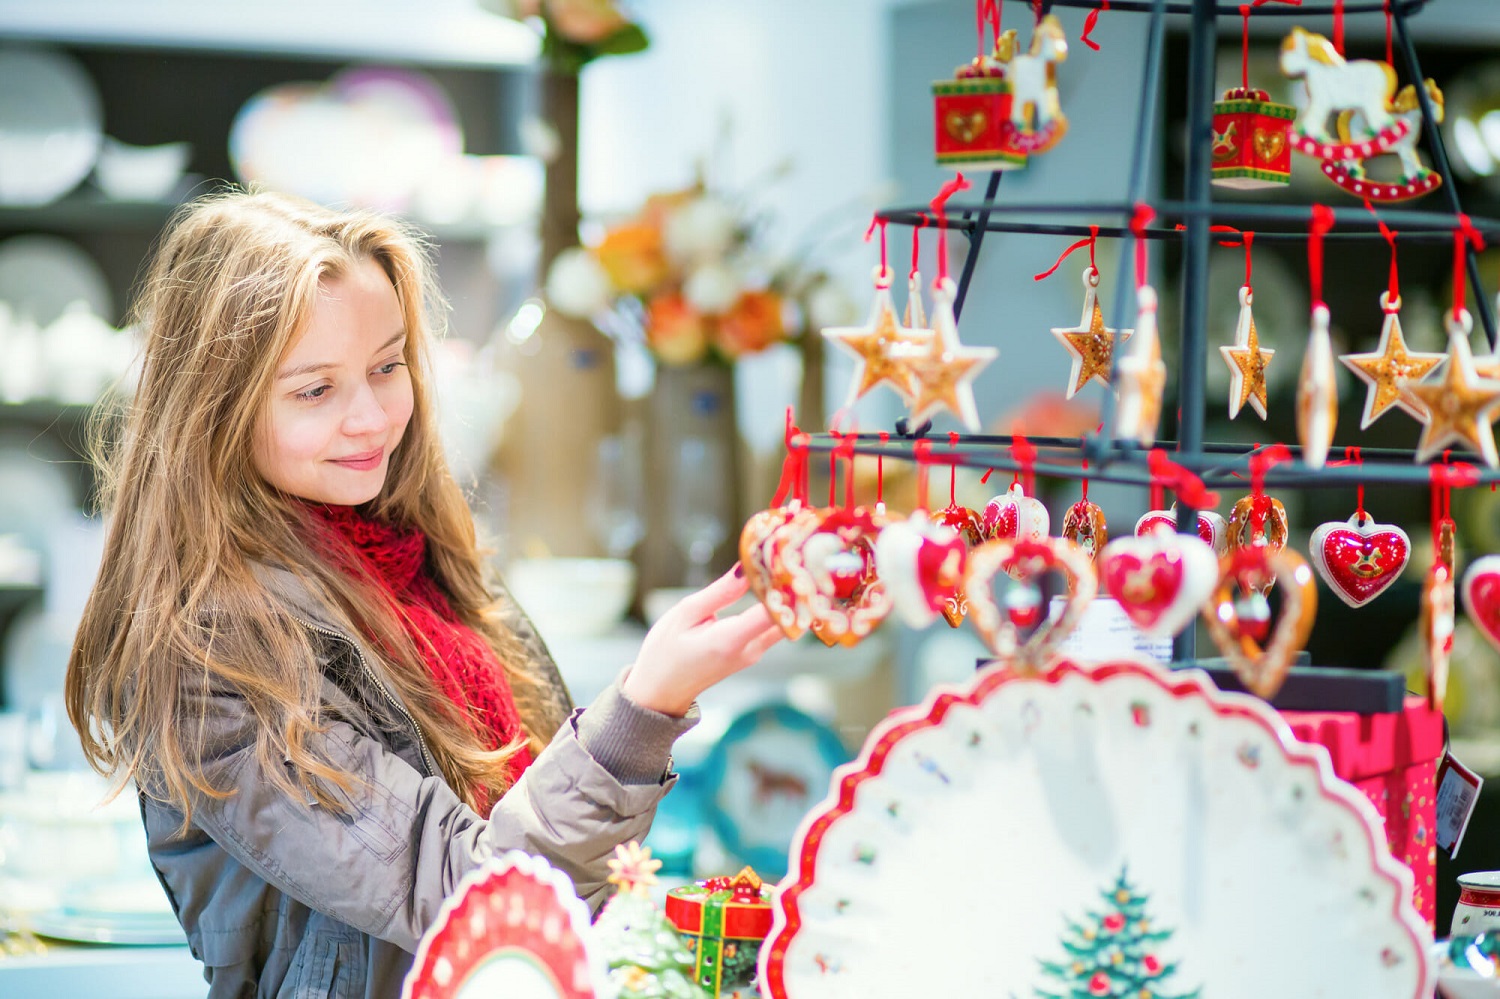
(1247, 361)
(1358, 92)
(1438, 602)
(1482, 596)
(1141, 373)
(828, 558)
(1027, 562)
(922, 566)
(1460, 406)
(1257, 522)
(1317, 393)
(914, 318)
(971, 112)
(1358, 558)
(874, 344)
(1084, 525)
(1159, 579)
(1090, 343)
(943, 371)
(1212, 530)
(1016, 516)
(1251, 133)
(966, 523)
(1036, 121)
(1239, 617)
(1416, 178)
(1389, 365)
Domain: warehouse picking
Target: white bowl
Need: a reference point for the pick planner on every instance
(140, 173)
(572, 596)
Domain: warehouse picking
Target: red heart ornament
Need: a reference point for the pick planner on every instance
(1027, 562)
(1238, 619)
(1160, 580)
(922, 566)
(1482, 596)
(1211, 526)
(829, 562)
(1359, 559)
(1015, 515)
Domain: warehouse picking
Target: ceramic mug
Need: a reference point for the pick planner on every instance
(1478, 909)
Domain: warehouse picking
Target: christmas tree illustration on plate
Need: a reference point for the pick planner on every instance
(1114, 953)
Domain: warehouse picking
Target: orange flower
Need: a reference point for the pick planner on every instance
(752, 324)
(585, 21)
(631, 254)
(674, 331)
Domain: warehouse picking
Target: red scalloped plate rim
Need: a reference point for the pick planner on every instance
(787, 920)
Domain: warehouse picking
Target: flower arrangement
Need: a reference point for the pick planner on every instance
(576, 31)
(688, 274)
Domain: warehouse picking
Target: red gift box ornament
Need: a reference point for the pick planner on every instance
(1251, 140)
(971, 112)
(723, 921)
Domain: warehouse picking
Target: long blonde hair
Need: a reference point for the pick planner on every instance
(178, 614)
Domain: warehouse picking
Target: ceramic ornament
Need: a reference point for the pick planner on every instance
(1388, 365)
(914, 318)
(1250, 140)
(760, 558)
(1438, 617)
(1015, 515)
(1482, 596)
(1242, 531)
(1358, 558)
(1460, 406)
(943, 370)
(1317, 393)
(872, 346)
(1247, 361)
(1212, 529)
(1161, 579)
(1239, 617)
(1027, 562)
(1036, 122)
(1416, 178)
(921, 564)
(1084, 525)
(972, 114)
(1362, 87)
(970, 528)
(1090, 343)
(1142, 376)
(829, 564)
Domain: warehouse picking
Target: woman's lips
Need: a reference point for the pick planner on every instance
(362, 462)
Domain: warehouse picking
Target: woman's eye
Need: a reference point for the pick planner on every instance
(386, 369)
(314, 393)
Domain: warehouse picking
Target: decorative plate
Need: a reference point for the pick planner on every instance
(1123, 831)
(513, 928)
(762, 776)
(50, 124)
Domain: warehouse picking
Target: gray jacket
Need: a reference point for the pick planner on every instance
(279, 898)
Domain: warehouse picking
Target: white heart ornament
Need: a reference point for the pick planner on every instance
(1160, 580)
(1211, 527)
(1359, 559)
(922, 566)
(1016, 516)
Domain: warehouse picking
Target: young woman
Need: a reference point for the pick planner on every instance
(290, 648)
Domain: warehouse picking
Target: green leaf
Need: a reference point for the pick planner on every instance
(623, 42)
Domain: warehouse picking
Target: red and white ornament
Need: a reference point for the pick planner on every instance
(1084, 525)
(1482, 596)
(1358, 89)
(1211, 527)
(1239, 617)
(922, 566)
(1036, 122)
(1159, 580)
(1438, 618)
(829, 563)
(1317, 393)
(1358, 558)
(1015, 515)
(1026, 562)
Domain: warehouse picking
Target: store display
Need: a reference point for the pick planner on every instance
(51, 125)
(1467, 966)
(1091, 344)
(1388, 366)
(1212, 528)
(1160, 578)
(724, 920)
(1334, 86)
(513, 927)
(1359, 559)
(942, 371)
(1247, 361)
(646, 957)
(1193, 809)
(1238, 614)
(1026, 562)
(1251, 140)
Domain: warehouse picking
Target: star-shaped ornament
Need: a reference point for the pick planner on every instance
(633, 868)
(1247, 361)
(1391, 363)
(872, 345)
(1091, 343)
(1317, 393)
(943, 370)
(1461, 405)
(1142, 375)
(915, 316)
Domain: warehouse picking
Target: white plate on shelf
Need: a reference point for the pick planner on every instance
(50, 125)
(1082, 815)
(128, 929)
(40, 276)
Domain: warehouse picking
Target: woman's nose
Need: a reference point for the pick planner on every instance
(365, 414)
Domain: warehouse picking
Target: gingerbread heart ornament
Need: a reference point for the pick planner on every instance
(760, 543)
(829, 565)
(1358, 558)
(1026, 562)
(1238, 614)
(921, 564)
(1211, 527)
(1481, 592)
(1015, 515)
(1160, 580)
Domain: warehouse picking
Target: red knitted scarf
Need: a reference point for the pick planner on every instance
(464, 666)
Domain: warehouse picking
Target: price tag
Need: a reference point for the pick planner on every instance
(1457, 793)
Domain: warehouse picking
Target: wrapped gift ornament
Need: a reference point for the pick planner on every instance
(1252, 140)
(724, 922)
(970, 113)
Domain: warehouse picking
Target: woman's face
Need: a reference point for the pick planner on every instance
(342, 395)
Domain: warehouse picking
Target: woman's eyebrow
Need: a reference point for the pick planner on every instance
(315, 366)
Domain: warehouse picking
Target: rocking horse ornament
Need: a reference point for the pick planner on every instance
(1036, 120)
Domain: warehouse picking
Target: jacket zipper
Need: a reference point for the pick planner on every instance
(427, 760)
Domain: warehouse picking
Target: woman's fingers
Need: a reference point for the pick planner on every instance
(738, 629)
(760, 644)
(714, 597)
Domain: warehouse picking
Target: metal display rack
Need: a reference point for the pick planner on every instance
(1100, 456)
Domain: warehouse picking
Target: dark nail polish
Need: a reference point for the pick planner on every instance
(739, 571)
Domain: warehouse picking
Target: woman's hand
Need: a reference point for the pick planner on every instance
(689, 649)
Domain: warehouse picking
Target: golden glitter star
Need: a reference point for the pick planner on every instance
(1091, 343)
(633, 868)
(1460, 406)
(1247, 361)
(1390, 363)
(1317, 393)
(1143, 376)
(872, 346)
(943, 371)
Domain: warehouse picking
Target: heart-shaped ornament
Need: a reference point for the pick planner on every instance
(1239, 617)
(1211, 527)
(1482, 596)
(1268, 144)
(1438, 618)
(922, 566)
(1248, 531)
(1026, 562)
(966, 127)
(962, 520)
(829, 562)
(1016, 516)
(1358, 558)
(1160, 580)
(760, 543)
(1084, 525)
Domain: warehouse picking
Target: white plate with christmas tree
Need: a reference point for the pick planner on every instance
(1124, 831)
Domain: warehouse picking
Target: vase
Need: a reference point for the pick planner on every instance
(693, 463)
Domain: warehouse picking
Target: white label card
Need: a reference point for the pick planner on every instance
(1457, 793)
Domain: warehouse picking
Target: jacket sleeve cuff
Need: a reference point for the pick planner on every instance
(632, 743)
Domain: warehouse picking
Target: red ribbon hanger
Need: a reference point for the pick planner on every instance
(1260, 463)
(1322, 221)
(1090, 22)
(794, 467)
(885, 438)
(948, 190)
(1138, 222)
(1463, 237)
(1167, 474)
(1088, 241)
(885, 269)
(922, 452)
(1352, 457)
(987, 13)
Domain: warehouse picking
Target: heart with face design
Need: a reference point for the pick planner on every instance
(1358, 558)
(1238, 614)
(921, 564)
(1026, 562)
(1160, 580)
(1211, 526)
